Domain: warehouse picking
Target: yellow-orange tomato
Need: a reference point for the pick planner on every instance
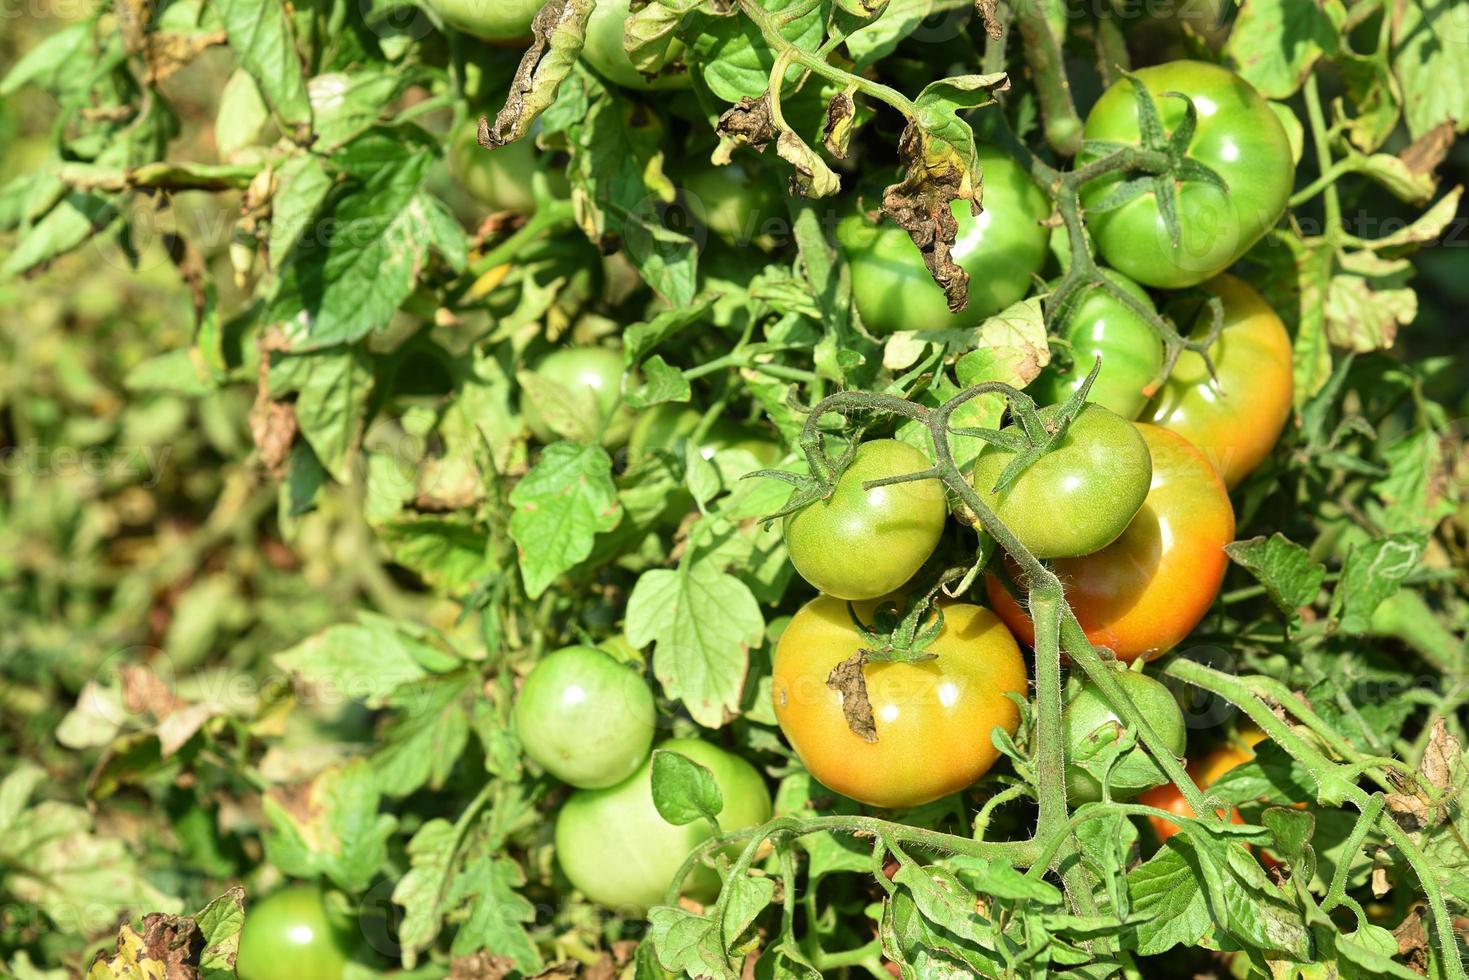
(1205, 772)
(1237, 419)
(933, 719)
(1143, 593)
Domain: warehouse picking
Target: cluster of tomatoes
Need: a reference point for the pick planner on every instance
(1132, 507)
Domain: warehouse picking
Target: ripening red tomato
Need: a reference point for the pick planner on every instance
(933, 718)
(1236, 417)
(1143, 593)
(1205, 772)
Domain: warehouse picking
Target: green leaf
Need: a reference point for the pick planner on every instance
(703, 622)
(1290, 576)
(330, 826)
(220, 922)
(74, 219)
(421, 890)
(1373, 572)
(365, 253)
(734, 58)
(1275, 43)
(363, 661)
(498, 913)
(332, 387)
(54, 61)
(1431, 61)
(302, 185)
(346, 104)
(662, 383)
(561, 505)
(683, 790)
(265, 46)
(1165, 890)
(424, 742)
(449, 553)
(1416, 493)
(689, 944)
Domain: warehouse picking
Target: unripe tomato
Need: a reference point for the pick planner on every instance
(668, 425)
(498, 178)
(1099, 324)
(491, 20)
(1002, 250)
(1237, 419)
(1089, 716)
(585, 718)
(1205, 772)
(592, 374)
(1081, 495)
(933, 718)
(861, 544)
(740, 205)
(289, 934)
(1238, 136)
(618, 850)
(1142, 594)
(605, 52)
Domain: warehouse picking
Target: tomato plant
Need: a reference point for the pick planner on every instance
(1079, 497)
(290, 933)
(381, 501)
(1001, 249)
(618, 850)
(932, 718)
(861, 544)
(1091, 722)
(1099, 324)
(584, 718)
(1236, 415)
(1142, 594)
(1237, 136)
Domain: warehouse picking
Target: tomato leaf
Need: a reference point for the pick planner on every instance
(1290, 576)
(683, 790)
(561, 505)
(703, 623)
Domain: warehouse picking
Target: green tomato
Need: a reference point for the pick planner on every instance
(290, 934)
(667, 426)
(1238, 136)
(741, 206)
(492, 20)
(605, 52)
(592, 379)
(862, 544)
(1100, 324)
(618, 850)
(498, 178)
(585, 718)
(1002, 250)
(1090, 718)
(1077, 498)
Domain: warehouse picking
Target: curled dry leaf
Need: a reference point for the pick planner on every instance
(846, 678)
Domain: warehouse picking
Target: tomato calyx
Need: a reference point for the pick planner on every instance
(1165, 162)
(896, 635)
(1039, 431)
